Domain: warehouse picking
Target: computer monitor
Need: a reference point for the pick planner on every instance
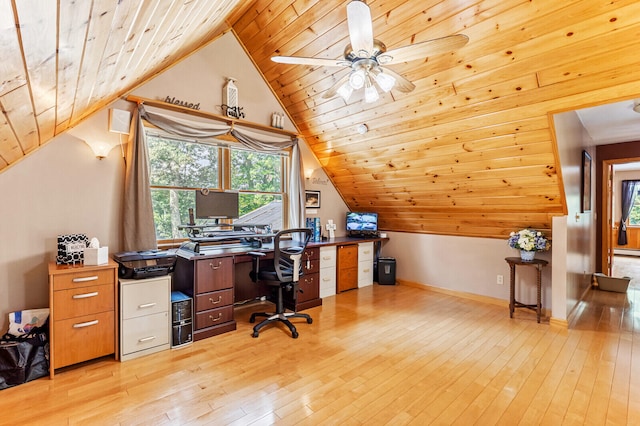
(362, 222)
(217, 205)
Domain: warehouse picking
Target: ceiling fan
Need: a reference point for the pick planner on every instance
(366, 57)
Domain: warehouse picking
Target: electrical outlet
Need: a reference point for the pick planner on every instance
(500, 279)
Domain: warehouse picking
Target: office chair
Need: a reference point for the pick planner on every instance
(281, 275)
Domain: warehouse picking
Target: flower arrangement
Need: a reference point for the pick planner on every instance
(529, 240)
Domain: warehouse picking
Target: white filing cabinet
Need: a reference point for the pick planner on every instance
(145, 317)
(327, 271)
(365, 264)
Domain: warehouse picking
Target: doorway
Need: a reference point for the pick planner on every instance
(614, 173)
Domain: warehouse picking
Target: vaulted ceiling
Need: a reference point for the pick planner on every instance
(469, 152)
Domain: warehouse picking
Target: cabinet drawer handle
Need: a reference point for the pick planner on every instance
(327, 258)
(147, 339)
(216, 319)
(365, 270)
(85, 324)
(85, 279)
(215, 267)
(215, 302)
(146, 305)
(85, 295)
(326, 279)
(366, 251)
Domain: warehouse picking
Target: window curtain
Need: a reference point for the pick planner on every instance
(138, 229)
(137, 201)
(629, 191)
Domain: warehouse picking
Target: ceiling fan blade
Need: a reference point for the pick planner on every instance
(333, 90)
(402, 84)
(299, 60)
(423, 49)
(360, 28)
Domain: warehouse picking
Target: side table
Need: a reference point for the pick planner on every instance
(513, 303)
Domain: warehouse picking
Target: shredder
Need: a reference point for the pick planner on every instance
(387, 271)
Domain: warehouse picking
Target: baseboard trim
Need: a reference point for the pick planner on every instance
(558, 324)
(464, 295)
(461, 294)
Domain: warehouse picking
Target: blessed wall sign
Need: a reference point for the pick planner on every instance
(174, 101)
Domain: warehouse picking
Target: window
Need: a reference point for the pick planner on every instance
(634, 216)
(180, 167)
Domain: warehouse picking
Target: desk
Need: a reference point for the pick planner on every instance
(513, 303)
(218, 277)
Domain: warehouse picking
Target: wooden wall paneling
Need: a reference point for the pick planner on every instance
(12, 73)
(73, 27)
(96, 41)
(10, 149)
(18, 108)
(149, 50)
(122, 32)
(38, 32)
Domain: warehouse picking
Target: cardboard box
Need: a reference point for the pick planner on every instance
(96, 256)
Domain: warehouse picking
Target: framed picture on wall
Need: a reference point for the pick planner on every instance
(312, 199)
(585, 197)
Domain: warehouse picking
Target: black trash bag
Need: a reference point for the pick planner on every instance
(24, 358)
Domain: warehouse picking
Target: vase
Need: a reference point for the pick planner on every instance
(527, 256)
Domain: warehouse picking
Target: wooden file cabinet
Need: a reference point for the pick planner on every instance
(82, 319)
(145, 318)
(213, 284)
(309, 283)
(347, 266)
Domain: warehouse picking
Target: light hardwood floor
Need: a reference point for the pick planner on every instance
(379, 355)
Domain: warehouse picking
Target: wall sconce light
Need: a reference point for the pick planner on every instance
(308, 173)
(100, 149)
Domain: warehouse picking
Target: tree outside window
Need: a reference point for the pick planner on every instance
(180, 167)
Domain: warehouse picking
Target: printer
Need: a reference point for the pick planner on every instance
(145, 264)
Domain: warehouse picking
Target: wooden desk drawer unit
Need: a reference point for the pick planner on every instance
(83, 301)
(145, 323)
(214, 297)
(82, 338)
(82, 318)
(347, 266)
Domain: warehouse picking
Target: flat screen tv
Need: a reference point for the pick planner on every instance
(362, 222)
(216, 205)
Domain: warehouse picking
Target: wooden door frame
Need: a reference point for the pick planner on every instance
(616, 153)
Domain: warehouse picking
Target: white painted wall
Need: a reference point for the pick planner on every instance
(63, 188)
(578, 259)
(60, 189)
(464, 264)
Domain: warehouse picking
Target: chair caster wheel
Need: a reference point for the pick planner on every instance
(309, 320)
(294, 334)
(255, 334)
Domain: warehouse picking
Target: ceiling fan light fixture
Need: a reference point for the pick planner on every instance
(357, 79)
(345, 91)
(385, 81)
(370, 94)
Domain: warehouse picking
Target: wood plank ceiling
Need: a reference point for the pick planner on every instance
(63, 60)
(469, 152)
